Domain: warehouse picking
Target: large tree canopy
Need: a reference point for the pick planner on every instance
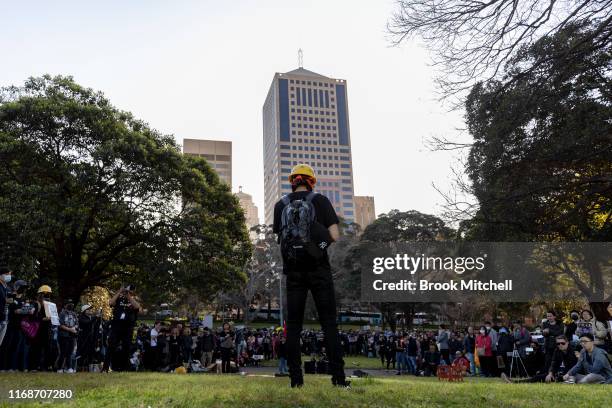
(89, 195)
(541, 163)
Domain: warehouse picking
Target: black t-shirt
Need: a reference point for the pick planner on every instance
(325, 216)
(324, 211)
(124, 313)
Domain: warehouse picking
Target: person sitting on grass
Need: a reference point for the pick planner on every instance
(593, 366)
(563, 359)
(461, 362)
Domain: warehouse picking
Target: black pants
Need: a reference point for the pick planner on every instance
(226, 358)
(119, 345)
(319, 281)
(66, 344)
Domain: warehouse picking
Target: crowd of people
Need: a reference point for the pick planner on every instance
(81, 340)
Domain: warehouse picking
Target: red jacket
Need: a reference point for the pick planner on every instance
(484, 341)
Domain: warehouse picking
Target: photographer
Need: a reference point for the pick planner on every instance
(125, 312)
(563, 359)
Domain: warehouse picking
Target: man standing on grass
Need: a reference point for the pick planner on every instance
(307, 224)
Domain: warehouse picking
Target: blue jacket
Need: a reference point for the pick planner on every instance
(596, 363)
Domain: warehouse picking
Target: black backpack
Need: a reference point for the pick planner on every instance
(297, 219)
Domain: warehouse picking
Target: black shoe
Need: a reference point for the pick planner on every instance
(343, 384)
(298, 383)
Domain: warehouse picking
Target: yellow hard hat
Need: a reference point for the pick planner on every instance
(304, 170)
(44, 289)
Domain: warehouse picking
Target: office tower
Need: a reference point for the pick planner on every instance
(365, 214)
(305, 120)
(217, 153)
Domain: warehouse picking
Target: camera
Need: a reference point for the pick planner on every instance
(130, 287)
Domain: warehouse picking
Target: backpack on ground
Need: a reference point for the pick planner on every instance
(297, 219)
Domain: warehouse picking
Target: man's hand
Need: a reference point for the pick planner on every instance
(549, 377)
(566, 377)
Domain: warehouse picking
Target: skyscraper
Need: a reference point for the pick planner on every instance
(305, 120)
(250, 211)
(365, 214)
(217, 153)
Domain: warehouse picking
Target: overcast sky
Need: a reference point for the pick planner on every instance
(202, 69)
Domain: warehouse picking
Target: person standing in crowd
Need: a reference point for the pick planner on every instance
(551, 329)
(153, 359)
(469, 348)
(5, 277)
(14, 351)
(282, 356)
(485, 353)
(522, 338)
(186, 345)
(86, 341)
(570, 328)
(494, 335)
(44, 345)
(505, 345)
(68, 332)
(442, 339)
(227, 344)
(412, 350)
(174, 348)
(400, 355)
(125, 313)
(207, 344)
(588, 324)
(307, 224)
(593, 366)
(431, 360)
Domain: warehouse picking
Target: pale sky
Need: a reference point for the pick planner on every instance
(202, 69)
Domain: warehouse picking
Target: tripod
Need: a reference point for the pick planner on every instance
(516, 356)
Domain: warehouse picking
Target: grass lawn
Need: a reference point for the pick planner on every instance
(208, 390)
(350, 362)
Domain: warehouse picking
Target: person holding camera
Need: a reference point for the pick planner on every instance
(125, 313)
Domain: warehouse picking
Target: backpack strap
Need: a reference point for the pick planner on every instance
(285, 199)
(311, 196)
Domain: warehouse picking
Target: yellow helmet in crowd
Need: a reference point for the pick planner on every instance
(44, 289)
(304, 170)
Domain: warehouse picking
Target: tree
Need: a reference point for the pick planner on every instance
(96, 197)
(541, 163)
(391, 227)
(263, 271)
(471, 41)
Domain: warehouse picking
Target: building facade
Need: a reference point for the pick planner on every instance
(251, 213)
(305, 120)
(365, 213)
(217, 153)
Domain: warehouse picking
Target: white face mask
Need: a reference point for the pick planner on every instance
(483, 331)
(7, 278)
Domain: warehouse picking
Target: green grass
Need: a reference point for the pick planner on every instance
(209, 390)
(350, 362)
